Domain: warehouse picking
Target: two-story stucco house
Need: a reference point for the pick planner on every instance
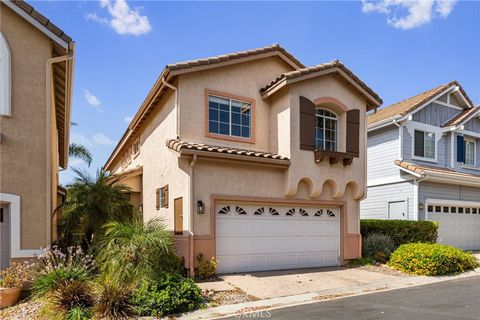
(252, 158)
(36, 72)
(424, 163)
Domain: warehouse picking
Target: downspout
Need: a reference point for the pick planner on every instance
(48, 108)
(177, 117)
(191, 235)
(416, 199)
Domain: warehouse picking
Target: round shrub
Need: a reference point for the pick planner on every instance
(168, 294)
(378, 246)
(431, 259)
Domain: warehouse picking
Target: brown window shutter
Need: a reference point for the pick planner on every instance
(307, 124)
(353, 132)
(166, 195)
(157, 198)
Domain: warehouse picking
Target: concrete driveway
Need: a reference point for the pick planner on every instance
(272, 284)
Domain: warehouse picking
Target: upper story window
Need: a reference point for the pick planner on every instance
(470, 152)
(229, 117)
(424, 144)
(5, 78)
(326, 129)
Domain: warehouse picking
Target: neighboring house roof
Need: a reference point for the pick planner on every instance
(409, 105)
(438, 174)
(295, 74)
(186, 147)
(40, 19)
(462, 117)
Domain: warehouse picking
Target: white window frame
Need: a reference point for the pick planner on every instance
(336, 127)
(250, 125)
(470, 140)
(425, 132)
(5, 78)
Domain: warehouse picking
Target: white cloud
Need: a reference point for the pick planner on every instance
(128, 119)
(100, 139)
(123, 20)
(408, 14)
(91, 99)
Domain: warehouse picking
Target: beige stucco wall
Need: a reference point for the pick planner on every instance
(243, 79)
(23, 150)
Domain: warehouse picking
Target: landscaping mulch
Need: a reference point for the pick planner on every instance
(384, 269)
(29, 310)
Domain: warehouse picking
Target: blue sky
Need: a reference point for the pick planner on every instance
(121, 48)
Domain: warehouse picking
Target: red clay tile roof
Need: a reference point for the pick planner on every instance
(422, 169)
(406, 106)
(461, 117)
(232, 56)
(42, 20)
(324, 66)
(179, 145)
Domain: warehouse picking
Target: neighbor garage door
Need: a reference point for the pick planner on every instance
(458, 223)
(252, 237)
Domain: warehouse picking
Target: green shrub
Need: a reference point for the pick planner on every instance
(431, 259)
(56, 268)
(378, 246)
(401, 231)
(168, 294)
(16, 275)
(114, 300)
(206, 268)
(132, 251)
(78, 313)
(360, 262)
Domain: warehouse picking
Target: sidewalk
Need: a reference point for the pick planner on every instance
(287, 288)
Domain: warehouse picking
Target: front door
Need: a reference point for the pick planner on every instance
(178, 213)
(4, 236)
(397, 210)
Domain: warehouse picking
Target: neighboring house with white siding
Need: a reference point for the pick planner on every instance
(424, 163)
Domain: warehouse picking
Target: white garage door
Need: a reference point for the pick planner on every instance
(263, 237)
(458, 225)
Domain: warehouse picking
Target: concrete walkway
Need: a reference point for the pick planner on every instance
(279, 289)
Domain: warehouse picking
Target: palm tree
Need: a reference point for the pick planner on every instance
(92, 202)
(79, 151)
(134, 250)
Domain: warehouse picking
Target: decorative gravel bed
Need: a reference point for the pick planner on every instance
(384, 269)
(29, 310)
(218, 298)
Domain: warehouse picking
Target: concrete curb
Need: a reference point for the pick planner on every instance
(317, 296)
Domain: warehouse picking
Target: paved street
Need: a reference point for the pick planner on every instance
(457, 299)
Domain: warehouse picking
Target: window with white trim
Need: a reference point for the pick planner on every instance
(470, 152)
(5, 78)
(424, 144)
(326, 127)
(229, 117)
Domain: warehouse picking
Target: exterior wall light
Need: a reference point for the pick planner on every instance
(200, 207)
(420, 206)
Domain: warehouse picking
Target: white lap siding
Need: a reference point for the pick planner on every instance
(429, 190)
(375, 206)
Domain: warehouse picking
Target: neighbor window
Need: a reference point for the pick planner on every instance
(470, 152)
(162, 197)
(326, 127)
(229, 117)
(425, 144)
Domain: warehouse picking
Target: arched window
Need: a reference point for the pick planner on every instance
(326, 128)
(5, 78)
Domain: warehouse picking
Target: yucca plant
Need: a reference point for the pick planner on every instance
(92, 202)
(134, 250)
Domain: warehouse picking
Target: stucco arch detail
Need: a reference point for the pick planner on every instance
(355, 190)
(332, 104)
(332, 186)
